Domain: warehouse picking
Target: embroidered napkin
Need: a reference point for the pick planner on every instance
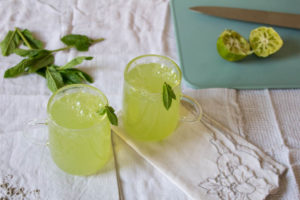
(207, 161)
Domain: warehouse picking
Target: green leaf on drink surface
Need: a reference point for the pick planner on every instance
(80, 42)
(110, 112)
(167, 100)
(11, 41)
(111, 115)
(168, 95)
(76, 61)
(102, 111)
(33, 42)
(54, 79)
(171, 92)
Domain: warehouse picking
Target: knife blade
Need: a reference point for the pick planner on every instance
(258, 16)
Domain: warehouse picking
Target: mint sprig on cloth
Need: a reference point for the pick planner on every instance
(41, 61)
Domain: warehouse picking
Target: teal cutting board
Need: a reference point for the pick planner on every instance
(200, 63)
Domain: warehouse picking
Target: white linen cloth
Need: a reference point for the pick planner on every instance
(209, 162)
(28, 172)
(267, 118)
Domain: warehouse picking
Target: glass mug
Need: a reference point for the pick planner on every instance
(144, 115)
(78, 137)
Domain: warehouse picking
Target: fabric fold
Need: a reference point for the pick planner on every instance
(208, 161)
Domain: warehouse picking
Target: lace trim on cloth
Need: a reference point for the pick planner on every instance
(10, 190)
(236, 180)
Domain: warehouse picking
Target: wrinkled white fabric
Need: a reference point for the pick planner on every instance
(209, 162)
(267, 118)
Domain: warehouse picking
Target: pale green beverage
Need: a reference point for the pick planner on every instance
(144, 115)
(79, 138)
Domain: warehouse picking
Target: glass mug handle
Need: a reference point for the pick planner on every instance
(190, 109)
(32, 131)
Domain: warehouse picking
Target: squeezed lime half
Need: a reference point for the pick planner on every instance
(232, 46)
(265, 41)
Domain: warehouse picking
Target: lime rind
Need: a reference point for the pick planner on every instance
(265, 41)
(232, 46)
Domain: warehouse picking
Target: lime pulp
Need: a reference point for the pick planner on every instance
(232, 46)
(265, 41)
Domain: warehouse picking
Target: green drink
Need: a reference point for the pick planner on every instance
(79, 138)
(144, 115)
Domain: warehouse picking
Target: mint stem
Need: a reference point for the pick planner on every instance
(23, 38)
(98, 40)
(69, 47)
(62, 49)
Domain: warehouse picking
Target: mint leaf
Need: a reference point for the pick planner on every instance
(76, 61)
(167, 100)
(54, 79)
(40, 60)
(85, 76)
(31, 64)
(27, 52)
(42, 72)
(171, 92)
(18, 69)
(111, 115)
(73, 76)
(110, 112)
(168, 95)
(102, 111)
(80, 42)
(11, 41)
(34, 43)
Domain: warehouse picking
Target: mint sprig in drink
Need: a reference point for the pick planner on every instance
(145, 116)
(79, 138)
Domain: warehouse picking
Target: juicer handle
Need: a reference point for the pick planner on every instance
(190, 109)
(33, 130)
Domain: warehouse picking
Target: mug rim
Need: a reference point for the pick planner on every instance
(153, 55)
(67, 87)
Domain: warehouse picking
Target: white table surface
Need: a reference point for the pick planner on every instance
(269, 119)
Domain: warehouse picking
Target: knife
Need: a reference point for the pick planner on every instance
(265, 17)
